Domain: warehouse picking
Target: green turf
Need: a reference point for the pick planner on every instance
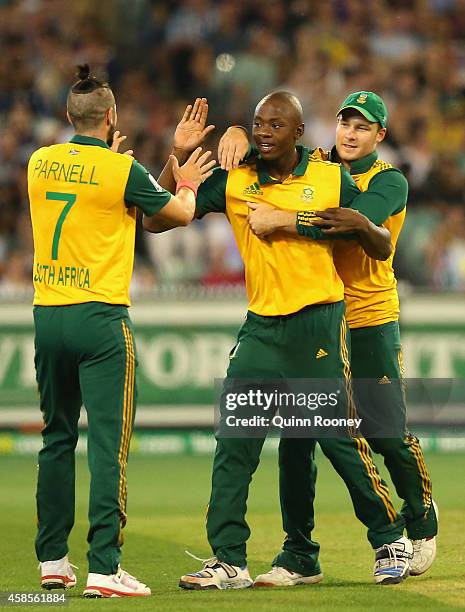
(167, 501)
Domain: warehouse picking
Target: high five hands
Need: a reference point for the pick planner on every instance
(190, 131)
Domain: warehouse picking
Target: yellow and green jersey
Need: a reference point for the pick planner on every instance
(286, 273)
(370, 286)
(82, 201)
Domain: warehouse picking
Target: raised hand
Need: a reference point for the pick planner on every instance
(117, 140)
(233, 147)
(191, 131)
(196, 169)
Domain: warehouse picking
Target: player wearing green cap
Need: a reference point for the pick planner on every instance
(368, 104)
(372, 312)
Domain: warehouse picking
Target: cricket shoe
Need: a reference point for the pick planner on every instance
(424, 552)
(392, 561)
(280, 577)
(57, 574)
(120, 584)
(216, 575)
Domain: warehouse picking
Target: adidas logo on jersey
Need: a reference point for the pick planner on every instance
(321, 353)
(253, 189)
(384, 381)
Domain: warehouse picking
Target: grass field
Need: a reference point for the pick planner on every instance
(167, 501)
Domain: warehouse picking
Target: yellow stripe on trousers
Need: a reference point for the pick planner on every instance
(426, 484)
(400, 361)
(379, 488)
(351, 411)
(361, 444)
(126, 428)
(415, 448)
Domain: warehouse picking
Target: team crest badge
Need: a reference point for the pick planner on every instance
(307, 194)
(362, 98)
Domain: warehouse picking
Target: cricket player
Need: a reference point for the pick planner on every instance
(372, 310)
(295, 316)
(83, 199)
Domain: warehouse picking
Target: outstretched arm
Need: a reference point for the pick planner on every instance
(180, 208)
(162, 210)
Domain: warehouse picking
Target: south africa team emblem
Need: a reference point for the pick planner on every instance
(307, 194)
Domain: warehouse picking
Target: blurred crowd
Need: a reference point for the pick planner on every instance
(159, 55)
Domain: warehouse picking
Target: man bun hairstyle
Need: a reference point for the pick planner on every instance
(86, 82)
(88, 100)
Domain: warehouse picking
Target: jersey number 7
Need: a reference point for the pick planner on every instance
(70, 199)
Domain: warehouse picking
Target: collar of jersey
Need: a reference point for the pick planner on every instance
(359, 166)
(89, 140)
(299, 170)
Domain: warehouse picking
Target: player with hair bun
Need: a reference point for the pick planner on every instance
(83, 199)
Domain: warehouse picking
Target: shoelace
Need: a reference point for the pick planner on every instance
(282, 571)
(392, 550)
(122, 575)
(70, 565)
(392, 553)
(209, 562)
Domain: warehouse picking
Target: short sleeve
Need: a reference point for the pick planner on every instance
(143, 191)
(211, 196)
(386, 196)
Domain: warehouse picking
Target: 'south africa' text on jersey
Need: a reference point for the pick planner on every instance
(67, 276)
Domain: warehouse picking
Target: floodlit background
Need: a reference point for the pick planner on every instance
(160, 55)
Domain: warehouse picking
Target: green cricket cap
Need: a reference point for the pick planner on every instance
(369, 104)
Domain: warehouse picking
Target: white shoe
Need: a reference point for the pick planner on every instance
(424, 552)
(57, 574)
(120, 584)
(280, 576)
(392, 561)
(217, 575)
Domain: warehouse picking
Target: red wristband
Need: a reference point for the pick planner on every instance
(189, 184)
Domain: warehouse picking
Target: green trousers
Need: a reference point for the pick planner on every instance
(84, 354)
(376, 362)
(291, 347)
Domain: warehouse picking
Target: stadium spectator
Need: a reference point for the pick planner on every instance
(161, 53)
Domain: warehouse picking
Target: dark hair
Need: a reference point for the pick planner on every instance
(87, 82)
(88, 100)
